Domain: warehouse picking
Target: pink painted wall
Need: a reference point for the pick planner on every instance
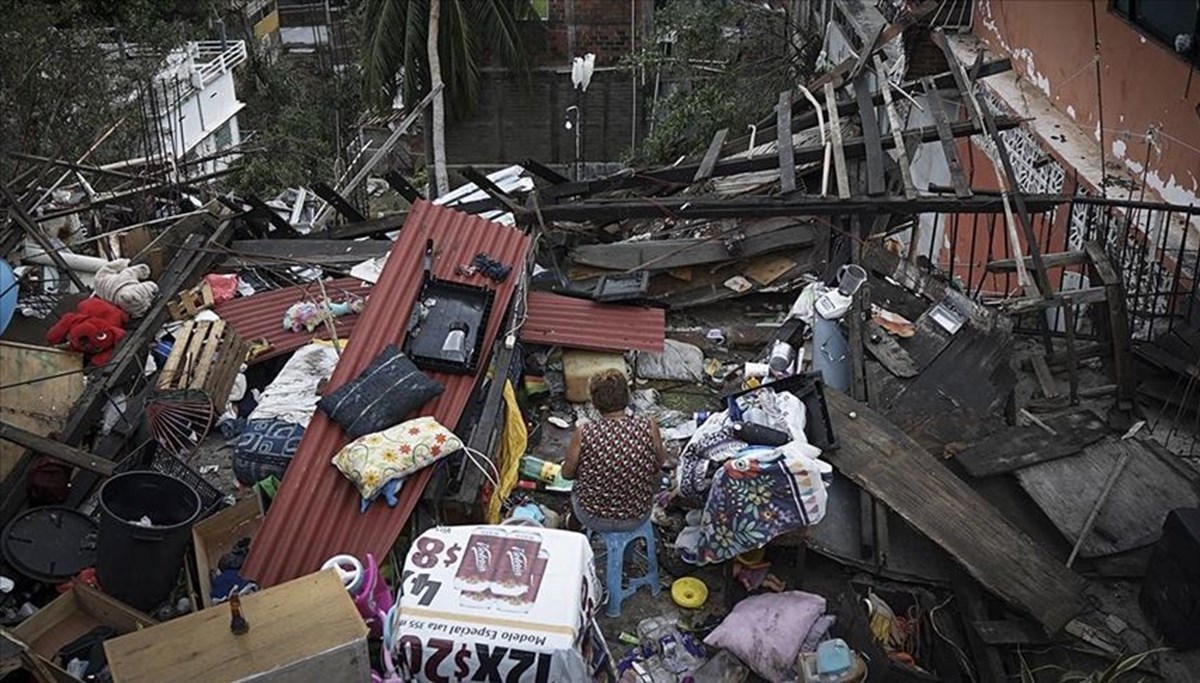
(1143, 84)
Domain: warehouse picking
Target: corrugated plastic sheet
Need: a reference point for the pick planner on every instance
(260, 316)
(557, 320)
(316, 513)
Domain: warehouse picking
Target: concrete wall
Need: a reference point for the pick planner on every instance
(1142, 82)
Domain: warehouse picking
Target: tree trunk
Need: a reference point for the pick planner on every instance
(439, 104)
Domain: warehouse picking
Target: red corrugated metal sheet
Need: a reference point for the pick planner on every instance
(260, 316)
(315, 514)
(557, 320)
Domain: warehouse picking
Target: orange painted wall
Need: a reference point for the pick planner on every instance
(1143, 83)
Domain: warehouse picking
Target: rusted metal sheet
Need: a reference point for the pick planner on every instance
(557, 320)
(260, 316)
(316, 514)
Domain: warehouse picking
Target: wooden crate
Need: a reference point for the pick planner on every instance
(304, 630)
(215, 536)
(207, 356)
(70, 616)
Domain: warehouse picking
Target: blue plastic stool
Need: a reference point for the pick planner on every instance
(615, 543)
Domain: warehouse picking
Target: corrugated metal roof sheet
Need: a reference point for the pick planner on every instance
(315, 514)
(557, 320)
(260, 316)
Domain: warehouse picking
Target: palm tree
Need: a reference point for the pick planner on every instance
(399, 51)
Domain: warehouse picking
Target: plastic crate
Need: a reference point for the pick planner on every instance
(211, 498)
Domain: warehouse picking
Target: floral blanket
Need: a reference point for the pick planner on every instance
(761, 494)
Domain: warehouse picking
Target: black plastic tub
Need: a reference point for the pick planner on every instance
(140, 564)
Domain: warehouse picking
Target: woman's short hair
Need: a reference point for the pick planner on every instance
(609, 390)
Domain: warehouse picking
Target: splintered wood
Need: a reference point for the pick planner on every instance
(886, 462)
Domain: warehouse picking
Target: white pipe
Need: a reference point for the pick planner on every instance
(87, 264)
(821, 126)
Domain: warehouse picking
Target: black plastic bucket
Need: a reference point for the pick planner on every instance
(140, 564)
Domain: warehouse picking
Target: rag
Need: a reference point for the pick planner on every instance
(490, 267)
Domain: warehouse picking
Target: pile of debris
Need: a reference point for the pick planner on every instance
(337, 419)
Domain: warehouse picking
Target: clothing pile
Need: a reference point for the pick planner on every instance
(753, 474)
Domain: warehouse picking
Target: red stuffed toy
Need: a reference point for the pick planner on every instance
(94, 328)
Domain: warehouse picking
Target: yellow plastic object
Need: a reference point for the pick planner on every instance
(751, 557)
(689, 592)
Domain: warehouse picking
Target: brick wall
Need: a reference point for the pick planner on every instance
(602, 27)
(512, 123)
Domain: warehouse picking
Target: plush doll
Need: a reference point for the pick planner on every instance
(93, 328)
(119, 283)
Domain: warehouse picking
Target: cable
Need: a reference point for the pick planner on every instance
(492, 475)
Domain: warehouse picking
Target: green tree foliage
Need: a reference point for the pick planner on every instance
(719, 65)
(66, 77)
(471, 31)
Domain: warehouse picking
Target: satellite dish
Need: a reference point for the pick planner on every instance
(8, 295)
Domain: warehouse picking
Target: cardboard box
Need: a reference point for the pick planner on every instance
(73, 614)
(217, 535)
(304, 630)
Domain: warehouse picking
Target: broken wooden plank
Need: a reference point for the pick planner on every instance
(1071, 297)
(668, 254)
(1132, 517)
(949, 149)
(897, 130)
(835, 134)
(401, 185)
(881, 458)
(263, 210)
(787, 159)
(67, 454)
(887, 350)
(1016, 447)
(1117, 319)
(250, 253)
(1056, 260)
(1045, 380)
(338, 202)
(709, 162)
(1072, 362)
(544, 172)
(876, 185)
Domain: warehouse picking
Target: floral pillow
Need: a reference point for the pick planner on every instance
(380, 461)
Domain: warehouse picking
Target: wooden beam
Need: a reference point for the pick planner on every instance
(839, 153)
(1041, 370)
(338, 202)
(873, 147)
(67, 454)
(767, 206)
(544, 172)
(1056, 260)
(897, 130)
(1071, 297)
(1014, 448)
(704, 172)
(787, 159)
(803, 119)
(261, 208)
(1118, 321)
(1072, 362)
(1012, 182)
(401, 185)
(679, 176)
(949, 149)
(878, 456)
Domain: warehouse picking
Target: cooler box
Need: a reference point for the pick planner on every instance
(498, 603)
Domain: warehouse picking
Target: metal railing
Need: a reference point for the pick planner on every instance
(1159, 266)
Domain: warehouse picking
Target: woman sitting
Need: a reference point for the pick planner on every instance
(616, 461)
